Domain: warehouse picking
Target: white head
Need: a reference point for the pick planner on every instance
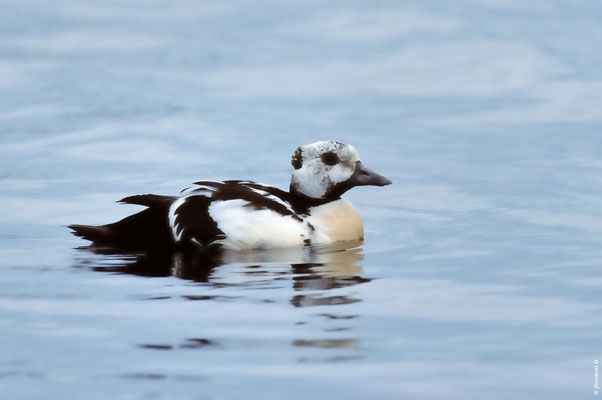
(325, 170)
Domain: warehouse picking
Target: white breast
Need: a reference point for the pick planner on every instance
(246, 228)
(335, 222)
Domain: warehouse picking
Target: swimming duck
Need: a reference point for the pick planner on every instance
(240, 215)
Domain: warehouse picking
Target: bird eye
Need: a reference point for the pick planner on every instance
(330, 158)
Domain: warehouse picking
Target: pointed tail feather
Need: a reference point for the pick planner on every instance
(91, 233)
(147, 229)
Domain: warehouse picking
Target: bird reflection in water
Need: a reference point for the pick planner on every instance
(313, 272)
(313, 268)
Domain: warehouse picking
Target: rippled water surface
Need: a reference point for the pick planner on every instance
(480, 274)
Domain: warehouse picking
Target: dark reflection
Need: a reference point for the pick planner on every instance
(327, 343)
(156, 346)
(319, 300)
(185, 265)
(195, 343)
(335, 359)
(315, 274)
(161, 376)
(313, 268)
(212, 298)
(334, 316)
(314, 280)
(311, 278)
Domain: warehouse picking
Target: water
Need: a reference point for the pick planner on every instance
(480, 273)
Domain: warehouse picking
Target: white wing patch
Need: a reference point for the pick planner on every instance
(199, 189)
(171, 215)
(248, 228)
(275, 199)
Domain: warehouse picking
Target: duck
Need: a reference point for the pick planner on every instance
(243, 215)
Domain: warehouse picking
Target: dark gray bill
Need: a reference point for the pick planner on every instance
(364, 177)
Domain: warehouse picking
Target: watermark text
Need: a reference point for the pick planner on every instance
(596, 384)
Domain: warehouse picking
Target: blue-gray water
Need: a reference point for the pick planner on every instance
(481, 271)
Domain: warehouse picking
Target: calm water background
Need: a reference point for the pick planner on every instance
(480, 275)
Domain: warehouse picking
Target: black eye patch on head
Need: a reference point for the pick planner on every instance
(297, 160)
(330, 158)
